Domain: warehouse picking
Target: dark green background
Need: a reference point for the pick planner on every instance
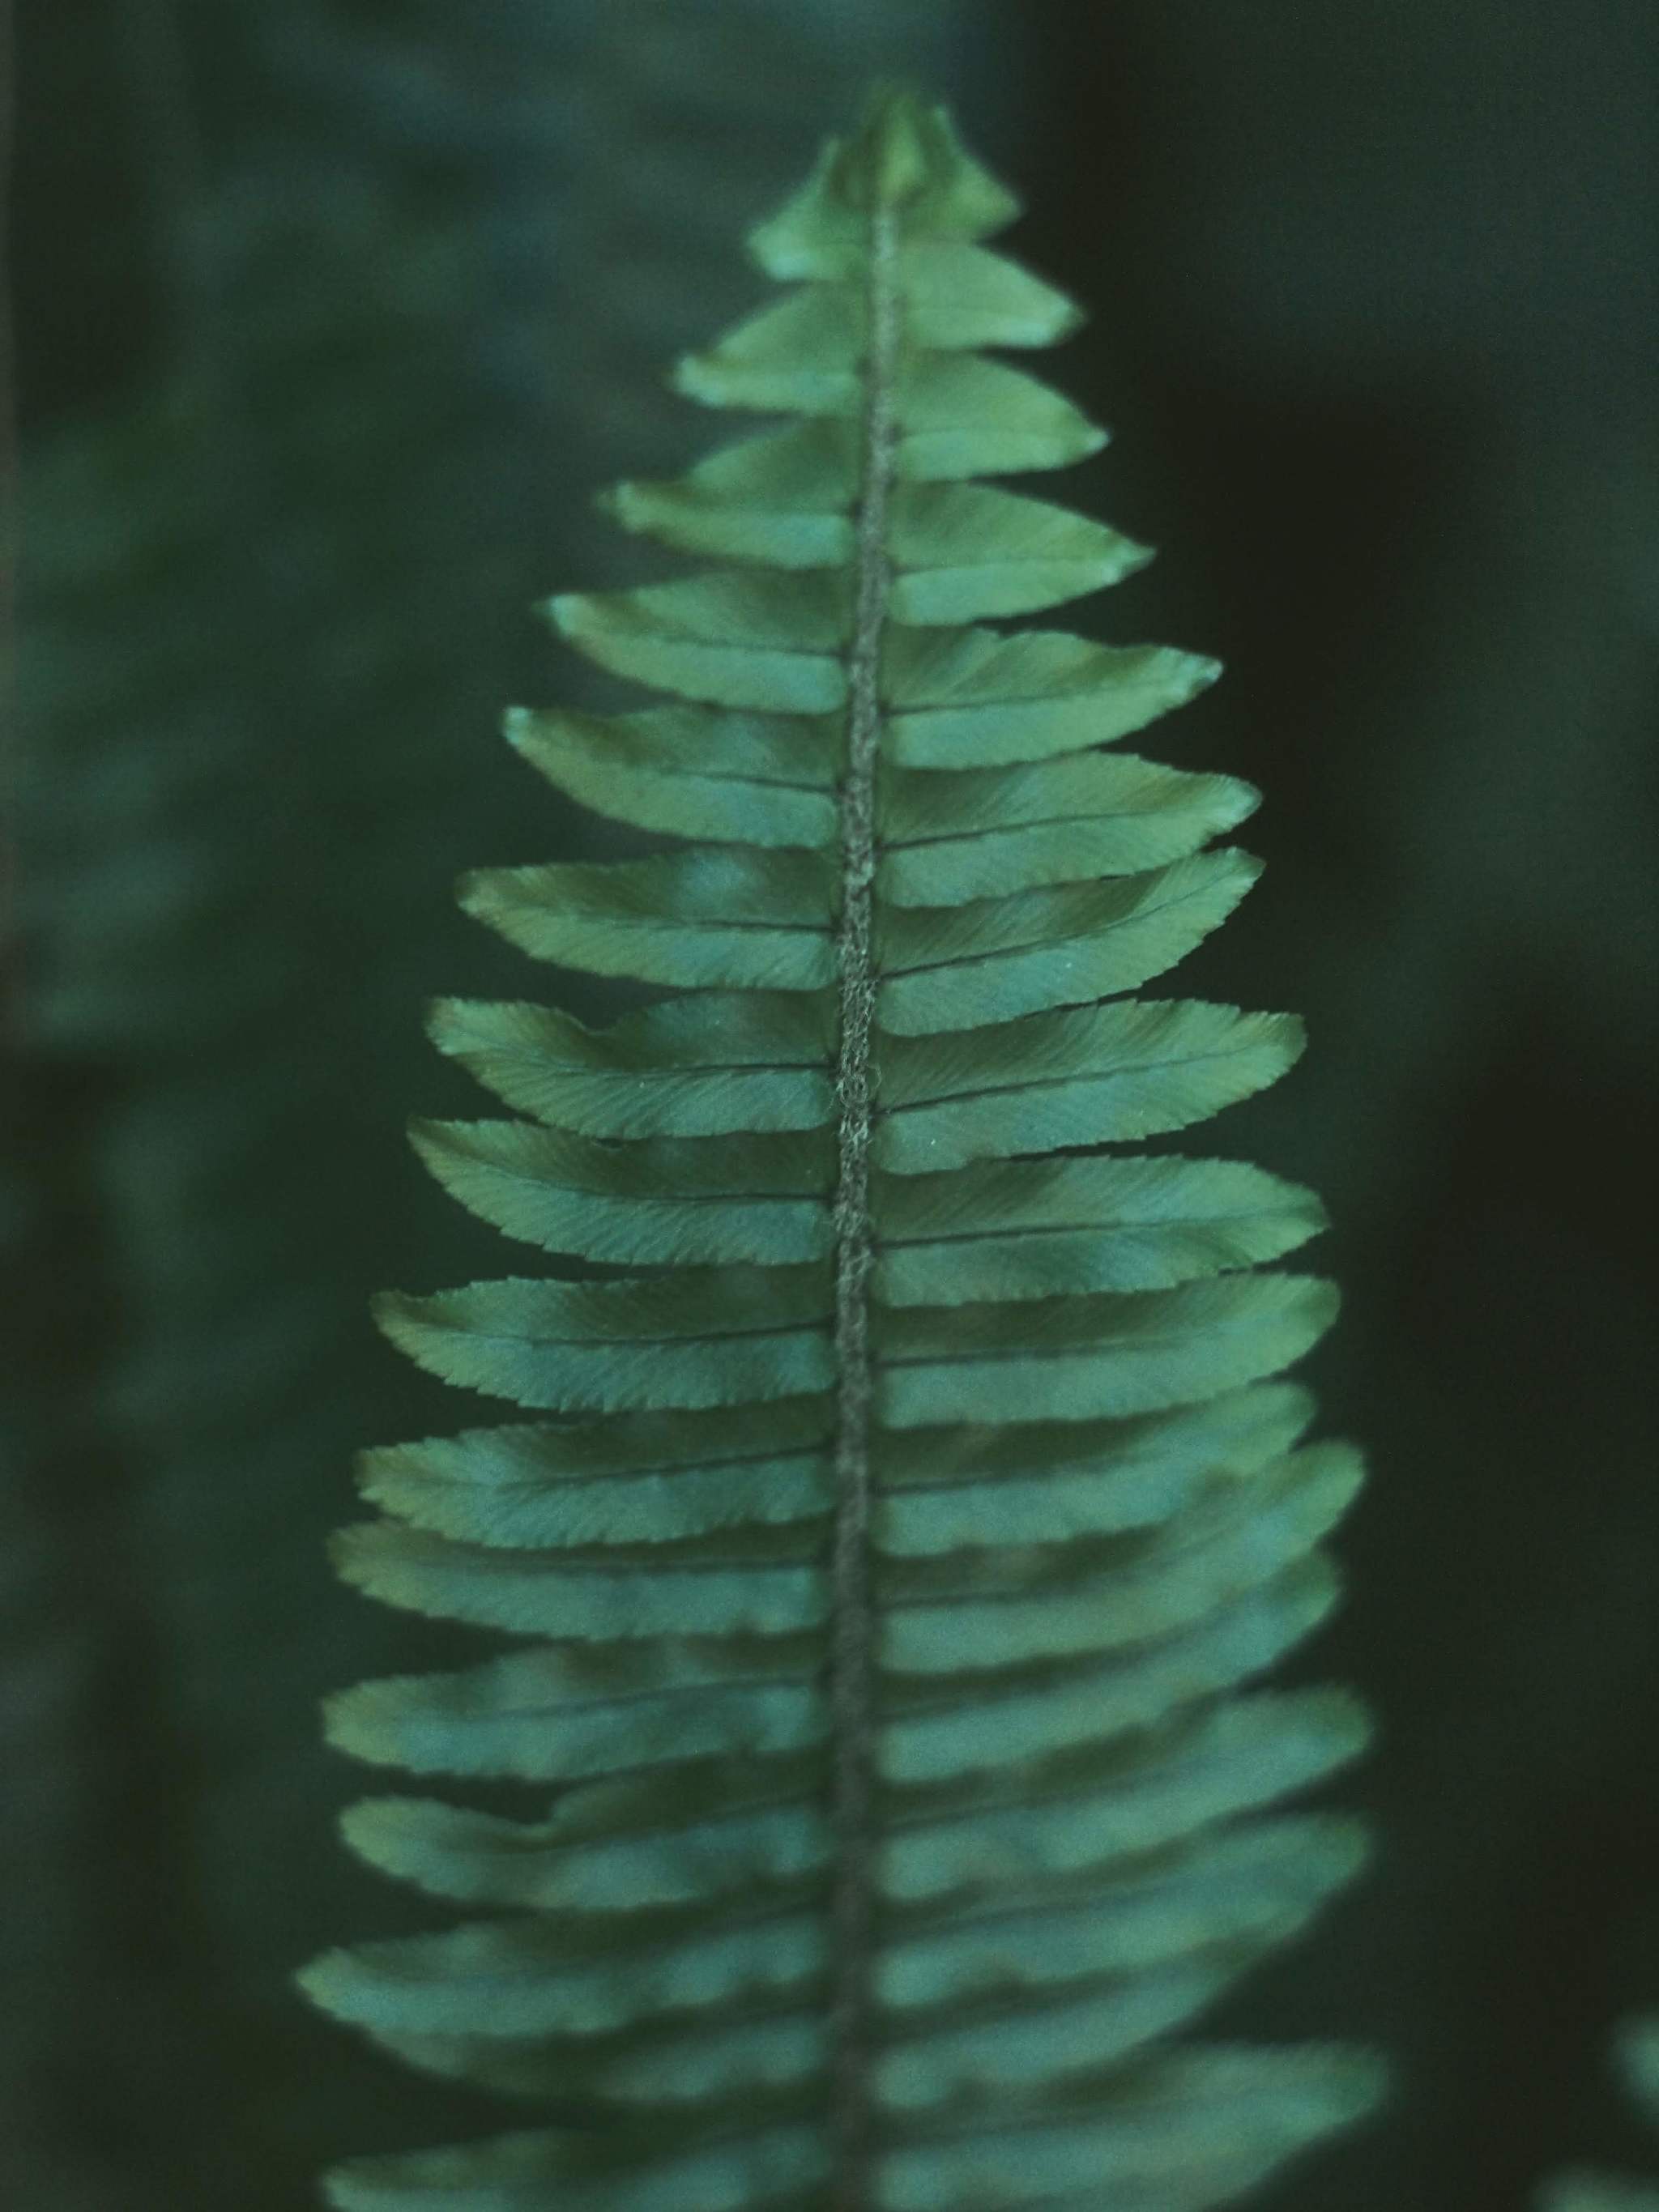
(329, 317)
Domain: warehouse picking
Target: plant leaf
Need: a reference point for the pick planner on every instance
(921, 1501)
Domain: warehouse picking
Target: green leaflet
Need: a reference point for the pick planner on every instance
(1041, 1228)
(1065, 821)
(1093, 1358)
(1097, 1076)
(719, 1197)
(1171, 1781)
(529, 1593)
(1244, 1883)
(541, 1716)
(1175, 2122)
(1081, 1711)
(724, 2061)
(1144, 1590)
(686, 1067)
(532, 1977)
(953, 414)
(655, 771)
(643, 1478)
(613, 1346)
(921, 1499)
(962, 552)
(974, 699)
(482, 1859)
(785, 497)
(988, 960)
(733, 638)
(944, 1491)
(715, 915)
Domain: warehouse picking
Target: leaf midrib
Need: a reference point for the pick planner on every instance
(853, 1783)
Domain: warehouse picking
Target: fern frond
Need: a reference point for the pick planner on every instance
(919, 1506)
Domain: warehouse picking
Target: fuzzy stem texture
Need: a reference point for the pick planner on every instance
(851, 1685)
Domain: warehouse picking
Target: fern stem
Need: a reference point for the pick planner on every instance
(851, 1686)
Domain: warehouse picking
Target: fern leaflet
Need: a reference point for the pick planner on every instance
(920, 1496)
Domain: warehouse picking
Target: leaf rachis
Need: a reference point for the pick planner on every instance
(853, 1633)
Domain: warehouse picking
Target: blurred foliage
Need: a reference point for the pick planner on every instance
(1413, 429)
(330, 317)
(271, 602)
(1587, 2189)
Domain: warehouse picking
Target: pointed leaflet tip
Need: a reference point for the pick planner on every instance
(1202, 670)
(386, 1310)
(320, 1980)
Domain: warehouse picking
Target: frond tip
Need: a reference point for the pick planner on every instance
(912, 1515)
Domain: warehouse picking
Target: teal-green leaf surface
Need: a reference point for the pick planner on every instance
(920, 1502)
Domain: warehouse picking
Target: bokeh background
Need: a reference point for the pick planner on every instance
(329, 316)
